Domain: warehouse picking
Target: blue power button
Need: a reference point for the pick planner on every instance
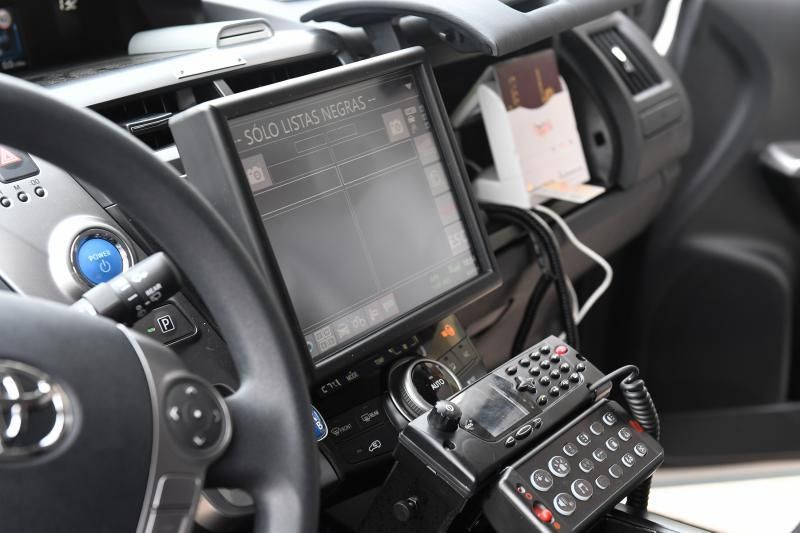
(98, 260)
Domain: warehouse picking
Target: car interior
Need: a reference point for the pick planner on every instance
(342, 266)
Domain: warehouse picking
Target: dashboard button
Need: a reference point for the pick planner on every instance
(369, 415)
(342, 427)
(98, 260)
(374, 443)
(166, 324)
(15, 165)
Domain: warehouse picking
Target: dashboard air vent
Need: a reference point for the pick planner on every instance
(147, 117)
(259, 77)
(637, 73)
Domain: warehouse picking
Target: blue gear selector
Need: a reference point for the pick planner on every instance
(98, 260)
(320, 427)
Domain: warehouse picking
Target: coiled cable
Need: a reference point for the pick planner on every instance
(643, 410)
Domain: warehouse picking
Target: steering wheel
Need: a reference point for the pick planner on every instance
(106, 430)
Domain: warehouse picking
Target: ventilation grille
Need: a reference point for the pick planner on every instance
(147, 117)
(254, 78)
(637, 73)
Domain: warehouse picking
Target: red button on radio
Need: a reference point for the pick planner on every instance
(542, 513)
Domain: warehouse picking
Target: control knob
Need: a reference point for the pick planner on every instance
(444, 416)
(417, 385)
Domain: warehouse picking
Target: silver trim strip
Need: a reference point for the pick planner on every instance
(151, 384)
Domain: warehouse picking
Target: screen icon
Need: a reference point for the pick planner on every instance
(257, 173)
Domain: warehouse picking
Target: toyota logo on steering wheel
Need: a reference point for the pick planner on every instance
(34, 411)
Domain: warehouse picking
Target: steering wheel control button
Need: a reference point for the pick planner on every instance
(640, 449)
(99, 257)
(15, 165)
(565, 504)
(176, 492)
(542, 480)
(582, 489)
(166, 324)
(195, 415)
(602, 482)
(559, 466)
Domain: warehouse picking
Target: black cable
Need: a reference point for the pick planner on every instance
(524, 329)
(538, 228)
(643, 410)
(630, 372)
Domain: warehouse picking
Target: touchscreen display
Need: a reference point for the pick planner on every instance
(357, 205)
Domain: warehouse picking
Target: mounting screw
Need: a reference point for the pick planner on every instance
(405, 510)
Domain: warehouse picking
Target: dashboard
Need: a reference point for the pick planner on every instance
(341, 171)
(39, 34)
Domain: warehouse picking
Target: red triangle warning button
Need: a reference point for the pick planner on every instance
(7, 157)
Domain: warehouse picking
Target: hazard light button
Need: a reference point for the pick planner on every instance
(15, 165)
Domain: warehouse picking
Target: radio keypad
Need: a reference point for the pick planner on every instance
(588, 479)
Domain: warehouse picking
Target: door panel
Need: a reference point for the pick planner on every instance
(714, 316)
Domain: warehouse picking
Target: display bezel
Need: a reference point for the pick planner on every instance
(216, 116)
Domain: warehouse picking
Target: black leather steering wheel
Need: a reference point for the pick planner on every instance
(100, 477)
